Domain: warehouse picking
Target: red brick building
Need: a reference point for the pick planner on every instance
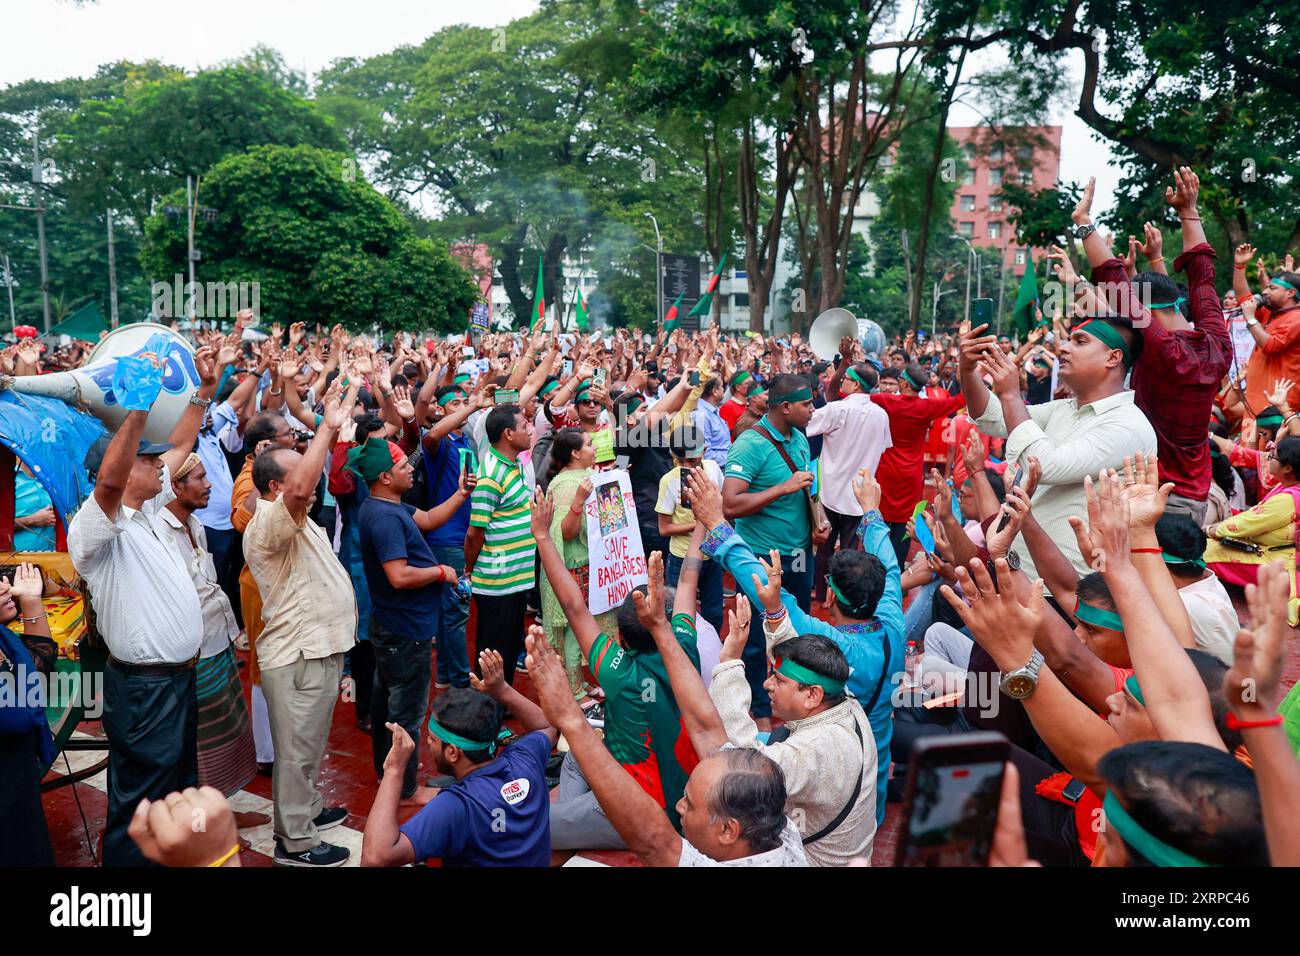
(1026, 155)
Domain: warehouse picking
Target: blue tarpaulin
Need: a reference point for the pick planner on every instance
(52, 438)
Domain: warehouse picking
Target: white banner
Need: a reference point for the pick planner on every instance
(1243, 343)
(614, 547)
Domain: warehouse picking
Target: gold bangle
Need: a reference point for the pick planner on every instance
(225, 858)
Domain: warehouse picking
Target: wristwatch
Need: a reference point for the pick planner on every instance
(1021, 682)
(1252, 321)
(1084, 231)
(201, 402)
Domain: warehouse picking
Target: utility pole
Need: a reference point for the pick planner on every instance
(659, 273)
(1002, 276)
(38, 177)
(112, 272)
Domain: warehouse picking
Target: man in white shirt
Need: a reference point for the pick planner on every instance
(1072, 438)
(732, 811)
(146, 609)
(855, 433)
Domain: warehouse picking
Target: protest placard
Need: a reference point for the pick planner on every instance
(615, 552)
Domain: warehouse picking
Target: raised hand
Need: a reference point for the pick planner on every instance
(1016, 508)
(650, 605)
(1281, 389)
(1182, 194)
(493, 680)
(770, 593)
(27, 583)
(1253, 684)
(547, 675)
(733, 648)
(867, 491)
(706, 499)
(1242, 255)
(972, 453)
(1153, 241)
(1103, 542)
(1147, 498)
(1004, 373)
(942, 496)
(543, 512)
(1082, 213)
(399, 750)
(206, 366)
(1000, 621)
(402, 402)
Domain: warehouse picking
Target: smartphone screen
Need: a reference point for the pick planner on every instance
(950, 806)
(466, 461)
(507, 396)
(694, 378)
(924, 536)
(981, 312)
(685, 474)
(568, 367)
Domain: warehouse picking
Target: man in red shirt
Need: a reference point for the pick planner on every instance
(1178, 371)
(901, 472)
(742, 383)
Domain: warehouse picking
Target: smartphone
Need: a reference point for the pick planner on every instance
(466, 461)
(598, 380)
(950, 804)
(507, 396)
(981, 312)
(694, 378)
(568, 368)
(1016, 481)
(684, 476)
(924, 536)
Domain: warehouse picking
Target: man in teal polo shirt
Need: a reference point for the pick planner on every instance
(768, 501)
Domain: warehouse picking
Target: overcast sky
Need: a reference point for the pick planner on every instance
(52, 39)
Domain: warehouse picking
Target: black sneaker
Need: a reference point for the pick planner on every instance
(322, 855)
(330, 817)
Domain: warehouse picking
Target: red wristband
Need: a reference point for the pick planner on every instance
(1233, 723)
(1146, 551)
(1242, 268)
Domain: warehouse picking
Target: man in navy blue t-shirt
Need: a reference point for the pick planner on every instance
(448, 451)
(497, 813)
(405, 582)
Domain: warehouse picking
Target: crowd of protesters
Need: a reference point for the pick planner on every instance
(1097, 521)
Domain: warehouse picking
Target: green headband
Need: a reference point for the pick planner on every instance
(798, 395)
(1283, 282)
(1105, 334)
(632, 403)
(549, 387)
(1174, 559)
(740, 378)
(1135, 689)
(756, 390)
(1157, 851)
(450, 397)
(456, 740)
(802, 675)
(1169, 305)
(1098, 617)
(839, 596)
(584, 394)
(459, 379)
(371, 459)
(1269, 421)
(911, 381)
(858, 378)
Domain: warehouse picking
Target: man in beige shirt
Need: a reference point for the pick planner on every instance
(309, 615)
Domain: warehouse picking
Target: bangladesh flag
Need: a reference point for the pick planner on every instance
(1022, 316)
(671, 322)
(539, 300)
(706, 301)
(580, 310)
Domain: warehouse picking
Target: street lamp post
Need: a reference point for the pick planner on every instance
(972, 257)
(659, 272)
(934, 307)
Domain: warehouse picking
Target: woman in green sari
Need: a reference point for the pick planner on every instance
(571, 468)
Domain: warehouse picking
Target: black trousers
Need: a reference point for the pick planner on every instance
(24, 837)
(361, 661)
(152, 727)
(499, 626)
(403, 668)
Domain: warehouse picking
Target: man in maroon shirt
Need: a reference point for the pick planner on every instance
(902, 467)
(1181, 363)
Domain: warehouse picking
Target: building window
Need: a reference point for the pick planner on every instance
(997, 153)
(966, 229)
(496, 281)
(969, 152)
(1026, 177)
(995, 204)
(1025, 155)
(995, 230)
(968, 178)
(740, 300)
(967, 203)
(995, 178)
(1022, 256)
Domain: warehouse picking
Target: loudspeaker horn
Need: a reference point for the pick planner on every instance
(90, 388)
(828, 329)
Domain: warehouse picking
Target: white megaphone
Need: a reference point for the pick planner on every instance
(828, 329)
(90, 388)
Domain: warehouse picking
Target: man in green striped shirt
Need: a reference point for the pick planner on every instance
(500, 553)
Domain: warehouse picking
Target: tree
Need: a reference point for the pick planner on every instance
(322, 246)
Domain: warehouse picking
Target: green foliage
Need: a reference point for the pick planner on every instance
(323, 245)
